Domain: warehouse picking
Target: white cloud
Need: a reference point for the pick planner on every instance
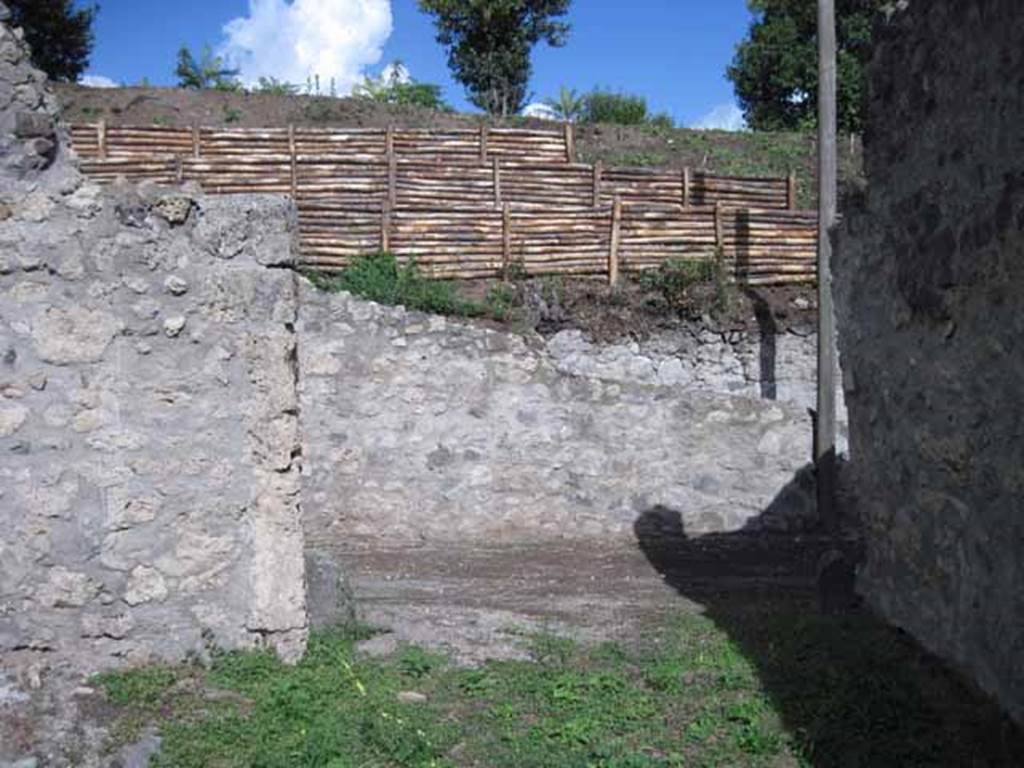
(540, 111)
(724, 117)
(97, 81)
(303, 39)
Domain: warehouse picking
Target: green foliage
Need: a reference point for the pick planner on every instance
(320, 109)
(232, 114)
(605, 106)
(394, 89)
(380, 278)
(693, 286)
(775, 70)
(638, 159)
(139, 687)
(276, 87)
(569, 105)
(489, 44)
(515, 271)
(59, 34)
(208, 72)
(500, 300)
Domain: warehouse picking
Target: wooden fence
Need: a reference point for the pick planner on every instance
(759, 246)
(465, 147)
(471, 203)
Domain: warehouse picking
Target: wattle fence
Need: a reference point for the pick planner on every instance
(469, 204)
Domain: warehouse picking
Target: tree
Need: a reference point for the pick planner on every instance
(604, 106)
(489, 44)
(568, 107)
(775, 70)
(209, 72)
(59, 35)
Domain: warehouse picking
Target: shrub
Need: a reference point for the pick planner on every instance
(694, 286)
(500, 300)
(208, 72)
(601, 106)
(380, 278)
(395, 87)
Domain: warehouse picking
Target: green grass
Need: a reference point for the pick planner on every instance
(637, 159)
(777, 689)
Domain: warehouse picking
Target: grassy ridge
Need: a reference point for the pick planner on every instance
(731, 154)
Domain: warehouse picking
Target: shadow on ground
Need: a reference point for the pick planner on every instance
(852, 690)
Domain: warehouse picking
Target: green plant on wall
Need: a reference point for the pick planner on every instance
(382, 279)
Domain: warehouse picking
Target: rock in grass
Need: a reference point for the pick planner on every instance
(411, 697)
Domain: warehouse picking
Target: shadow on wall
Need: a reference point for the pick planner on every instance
(852, 690)
(766, 325)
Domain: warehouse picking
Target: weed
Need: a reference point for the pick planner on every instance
(231, 114)
(552, 289)
(638, 159)
(161, 120)
(141, 687)
(500, 300)
(416, 663)
(515, 271)
(319, 109)
(693, 286)
(380, 278)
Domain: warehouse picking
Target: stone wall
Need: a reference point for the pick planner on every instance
(148, 427)
(419, 428)
(750, 363)
(148, 408)
(930, 293)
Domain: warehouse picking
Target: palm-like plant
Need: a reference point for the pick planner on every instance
(568, 107)
(208, 71)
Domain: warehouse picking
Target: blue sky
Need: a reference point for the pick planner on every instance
(674, 52)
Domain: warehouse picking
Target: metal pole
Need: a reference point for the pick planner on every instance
(825, 425)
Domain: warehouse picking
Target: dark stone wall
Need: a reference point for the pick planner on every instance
(930, 296)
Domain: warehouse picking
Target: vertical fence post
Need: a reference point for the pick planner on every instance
(616, 240)
(385, 226)
(687, 186)
(719, 231)
(506, 237)
(294, 163)
(484, 135)
(598, 171)
(392, 160)
(497, 181)
(179, 169)
(101, 139)
(791, 191)
(570, 143)
(196, 149)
